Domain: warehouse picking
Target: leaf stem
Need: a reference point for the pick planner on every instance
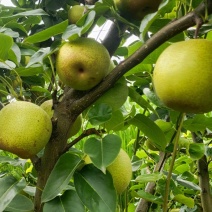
(168, 180)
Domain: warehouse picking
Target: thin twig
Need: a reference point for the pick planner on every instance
(86, 133)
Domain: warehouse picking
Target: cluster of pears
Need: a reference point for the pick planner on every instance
(25, 128)
(120, 170)
(182, 76)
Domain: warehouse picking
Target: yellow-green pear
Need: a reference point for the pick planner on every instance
(83, 63)
(75, 13)
(182, 74)
(25, 129)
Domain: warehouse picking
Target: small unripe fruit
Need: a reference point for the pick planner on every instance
(75, 13)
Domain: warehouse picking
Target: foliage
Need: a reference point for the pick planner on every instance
(30, 35)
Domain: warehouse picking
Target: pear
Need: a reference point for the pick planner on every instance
(136, 10)
(25, 129)
(75, 13)
(183, 84)
(82, 64)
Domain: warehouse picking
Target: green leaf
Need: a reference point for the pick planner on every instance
(145, 178)
(184, 200)
(54, 4)
(14, 162)
(116, 122)
(6, 43)
(149, 19)
(99, 114)
(39, 56)
(185, 183)
(95, 189)
(15, 54)
(15, 26)
(196, 123)
(196, 150)
(9, 188)
(116, 96)
(29, 71)
(69, 201)
(20, 203)
(182, 168)
(188, 184)
(47, 33)
(103, 152)
(72, 32)
(41, 90)
(35, 12)
(136, 97)
(88, 21)
(150, 129)
(9, 32)
(60, 176)
(149, 197)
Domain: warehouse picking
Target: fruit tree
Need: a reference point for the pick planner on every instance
(105, 105)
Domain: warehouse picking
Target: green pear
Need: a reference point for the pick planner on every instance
(75, 13)
(184, 84)
(82, 64)
(25, 129)
(136, 10)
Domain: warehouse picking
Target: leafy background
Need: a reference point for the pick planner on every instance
(30, 35)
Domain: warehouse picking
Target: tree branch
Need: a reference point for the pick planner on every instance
(154, 42)
(75, 102)
(143, 204)
(204, 180)
(91, 131)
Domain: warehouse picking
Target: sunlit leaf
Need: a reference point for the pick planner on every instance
(184, 200)
(47, 33)
(144, 178)
(6, 43)
(35, 12)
